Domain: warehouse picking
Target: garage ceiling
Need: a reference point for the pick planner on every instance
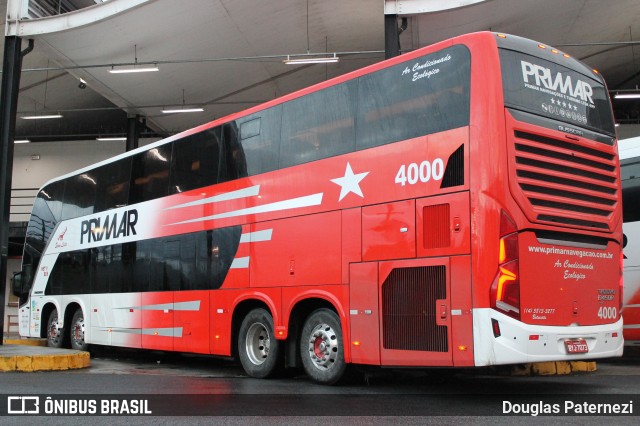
(226, 55)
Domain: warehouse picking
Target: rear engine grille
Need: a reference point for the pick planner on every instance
(409, 309)
(565, 182)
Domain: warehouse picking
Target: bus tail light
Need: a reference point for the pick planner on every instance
(505, 290)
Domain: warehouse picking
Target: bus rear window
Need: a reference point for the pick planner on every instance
(545, 88)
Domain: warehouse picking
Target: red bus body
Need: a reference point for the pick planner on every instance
(418, 273)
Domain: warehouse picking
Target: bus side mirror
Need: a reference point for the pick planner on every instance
(16, 284)
(20, 281)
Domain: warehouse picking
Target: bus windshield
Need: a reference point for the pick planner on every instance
(545, 88)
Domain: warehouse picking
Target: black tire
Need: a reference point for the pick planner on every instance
(76, 332)
(260, 353)
(321, 347)
(55, 335)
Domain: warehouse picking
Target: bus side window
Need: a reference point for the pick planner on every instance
(150, 174)
(112, 185)
(79, 202)
(398, 103)
(195, 161)
(172, 270)
(41, 225)
(319, 125)
(188, 273)
(260, 138)
(234, 164)
(53, 195)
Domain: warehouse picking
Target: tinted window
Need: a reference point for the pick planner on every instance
(53, 195)
(319, 125)
(45, 215)
(425, 95)
(112, 185)
(545, 88)
(150, 174)
(234, 164)
(79, 200)
(71, 274)
(109, 276)
(41, 225)
(260, 137)
(195, 261)
(142, 265)
(195, 161)
(157, 280)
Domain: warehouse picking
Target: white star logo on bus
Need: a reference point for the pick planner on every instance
(350, 182)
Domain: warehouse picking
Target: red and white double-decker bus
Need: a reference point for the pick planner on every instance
(458, 205)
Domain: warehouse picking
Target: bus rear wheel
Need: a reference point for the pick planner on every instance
(76, 332)
(258, 349)
(55, 334)
(321, 347)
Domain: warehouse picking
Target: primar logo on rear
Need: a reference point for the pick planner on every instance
(109, 227)
(543, 78)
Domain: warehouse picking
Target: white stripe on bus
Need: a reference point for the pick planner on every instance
(233, 195)
(254, 237)
(294, 203)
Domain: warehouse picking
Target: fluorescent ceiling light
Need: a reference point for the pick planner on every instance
(41, 117)
(311, 60)
(132, 70)
(118, 138)
(171, 111)
(627, 96)
(21, 141)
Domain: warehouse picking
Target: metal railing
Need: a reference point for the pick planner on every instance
(21, 204)
(45, 8)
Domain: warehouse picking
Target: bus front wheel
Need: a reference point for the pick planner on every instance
(321, 347)
(55, 334)
(258, 349)
(76, 332)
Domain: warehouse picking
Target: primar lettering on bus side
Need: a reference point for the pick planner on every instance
(97, 229)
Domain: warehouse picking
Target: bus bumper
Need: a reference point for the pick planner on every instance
(518, 342)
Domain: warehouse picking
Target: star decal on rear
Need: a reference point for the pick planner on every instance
(350, 182)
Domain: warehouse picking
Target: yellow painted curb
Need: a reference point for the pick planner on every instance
(58, 362)
(81, 360)
(8, 363)
(583, 366)
(551, 368)
(544, 369)
(563, 367)
(23, 363)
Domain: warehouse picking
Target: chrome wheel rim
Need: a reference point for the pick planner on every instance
(323, 346)
(77, 332)
(53, 332)
(257, 343)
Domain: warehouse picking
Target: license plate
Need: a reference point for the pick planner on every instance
(576, 346)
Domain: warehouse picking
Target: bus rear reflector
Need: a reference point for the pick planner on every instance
(496, 327)
(505, 290)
